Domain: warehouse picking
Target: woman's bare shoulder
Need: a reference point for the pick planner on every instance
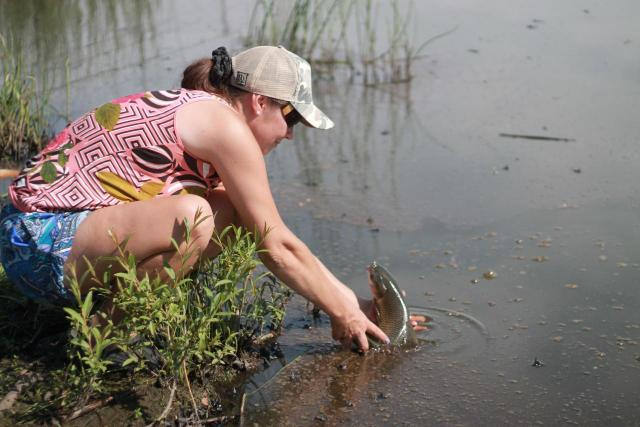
(203, 125)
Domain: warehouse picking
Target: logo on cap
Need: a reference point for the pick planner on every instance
(241, 78)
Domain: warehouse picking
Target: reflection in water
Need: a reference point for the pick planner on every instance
(352, 172)
(564, 294)
(50, 32)
(325, 386)
(341, 387)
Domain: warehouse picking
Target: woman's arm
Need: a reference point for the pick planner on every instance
(219, 136)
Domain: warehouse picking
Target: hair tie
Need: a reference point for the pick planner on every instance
(222, 68)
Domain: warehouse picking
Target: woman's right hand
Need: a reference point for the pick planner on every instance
(353, 327)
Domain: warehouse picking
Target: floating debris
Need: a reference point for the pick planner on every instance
(489, 275)
(617, 307)
(537, 363)
(540, 258)
(321, 417)
(571, 286)
(535, 137)
(622, 265)
(518, 326)
(546, 243)
(474, 281)
(557, 338)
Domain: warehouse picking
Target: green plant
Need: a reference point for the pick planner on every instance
(92, 333)
(182, 327)
(23, 105)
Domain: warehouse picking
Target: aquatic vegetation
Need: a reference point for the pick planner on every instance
(24, 126)
(341, 35)
(180, 330)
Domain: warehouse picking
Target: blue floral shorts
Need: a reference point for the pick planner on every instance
(33, 249)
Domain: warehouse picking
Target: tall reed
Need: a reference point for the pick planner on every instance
(368, 37)
(23, 105)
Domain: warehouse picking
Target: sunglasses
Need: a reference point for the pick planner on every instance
(291, 116)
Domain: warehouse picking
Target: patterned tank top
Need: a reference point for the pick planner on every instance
(123, 151)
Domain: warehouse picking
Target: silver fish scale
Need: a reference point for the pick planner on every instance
(392, 312)
(393, 316)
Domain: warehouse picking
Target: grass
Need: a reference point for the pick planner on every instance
(24, 126)
(342, 34)
(184, 333)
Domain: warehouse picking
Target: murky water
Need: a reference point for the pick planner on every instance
(418, 177)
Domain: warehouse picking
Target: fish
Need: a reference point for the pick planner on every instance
(390, 307)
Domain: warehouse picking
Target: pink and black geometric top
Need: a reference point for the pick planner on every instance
(123, 151)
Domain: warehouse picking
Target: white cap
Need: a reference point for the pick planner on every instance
(277, 73)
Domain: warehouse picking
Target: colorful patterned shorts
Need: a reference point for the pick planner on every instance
(33, 249)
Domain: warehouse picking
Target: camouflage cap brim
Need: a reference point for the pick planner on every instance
(312, 115)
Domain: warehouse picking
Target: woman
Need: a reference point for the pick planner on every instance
(135, 169)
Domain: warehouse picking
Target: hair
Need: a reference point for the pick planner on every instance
(212, 75)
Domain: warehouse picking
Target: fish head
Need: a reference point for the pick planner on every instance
(379, 280)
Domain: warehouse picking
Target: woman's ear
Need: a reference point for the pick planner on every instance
(258, 103)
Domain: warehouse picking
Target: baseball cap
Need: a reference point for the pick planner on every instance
(275, 72)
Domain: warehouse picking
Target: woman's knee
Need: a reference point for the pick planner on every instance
(195, 212)
(224, 213)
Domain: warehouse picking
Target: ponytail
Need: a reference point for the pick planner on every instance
(211, 75)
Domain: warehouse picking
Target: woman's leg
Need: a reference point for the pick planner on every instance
(147, 227)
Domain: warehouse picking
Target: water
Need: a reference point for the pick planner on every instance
(417, 177)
